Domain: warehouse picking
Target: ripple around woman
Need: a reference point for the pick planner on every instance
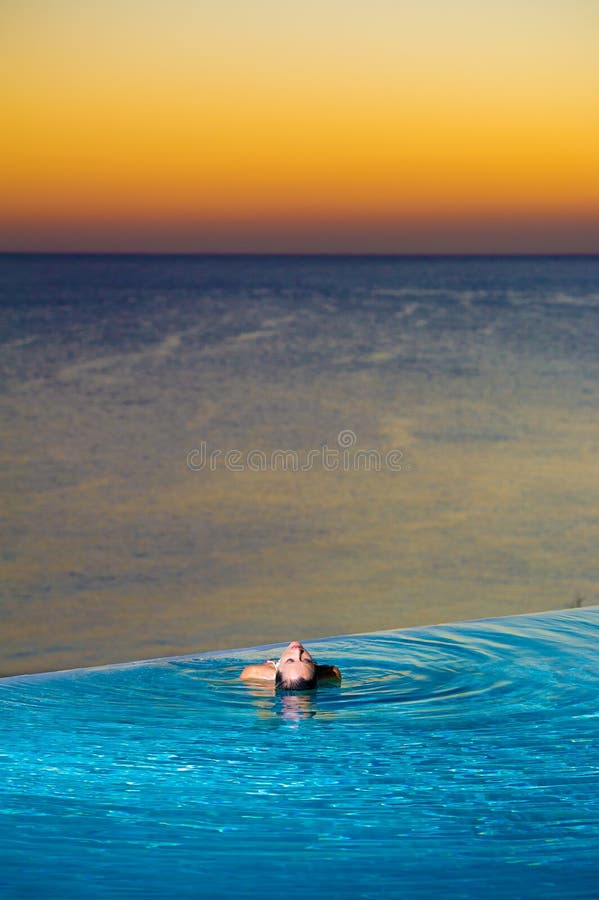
(294, 671)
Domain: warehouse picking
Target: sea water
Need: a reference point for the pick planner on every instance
(453, 761)
(436, 422)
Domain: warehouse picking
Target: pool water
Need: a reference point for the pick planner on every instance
(452, 761)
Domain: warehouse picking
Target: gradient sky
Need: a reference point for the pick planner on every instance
(329, 126)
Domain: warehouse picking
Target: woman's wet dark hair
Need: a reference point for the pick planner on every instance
(297, 684)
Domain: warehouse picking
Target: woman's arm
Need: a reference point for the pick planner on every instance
(260, 671)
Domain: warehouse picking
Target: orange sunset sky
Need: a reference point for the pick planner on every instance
(382, 126)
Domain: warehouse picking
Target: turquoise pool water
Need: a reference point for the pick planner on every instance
(453, 761)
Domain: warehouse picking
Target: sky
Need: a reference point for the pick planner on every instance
(443, 126)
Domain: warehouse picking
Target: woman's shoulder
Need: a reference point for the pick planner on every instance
(328, 673)
(259, 671)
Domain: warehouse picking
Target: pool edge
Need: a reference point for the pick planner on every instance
(215, 654)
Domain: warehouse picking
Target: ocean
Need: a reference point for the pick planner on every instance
(206, 452)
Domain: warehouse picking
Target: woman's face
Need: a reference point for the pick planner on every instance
(296, 662)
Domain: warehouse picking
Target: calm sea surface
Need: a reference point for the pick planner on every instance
(211, 452)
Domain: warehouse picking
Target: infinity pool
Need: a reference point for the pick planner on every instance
(453, 761)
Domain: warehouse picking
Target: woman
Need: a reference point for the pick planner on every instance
(295, 670)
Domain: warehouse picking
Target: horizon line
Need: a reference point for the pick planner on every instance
(303, 254)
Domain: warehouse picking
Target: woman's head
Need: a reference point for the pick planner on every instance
(296, 670)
